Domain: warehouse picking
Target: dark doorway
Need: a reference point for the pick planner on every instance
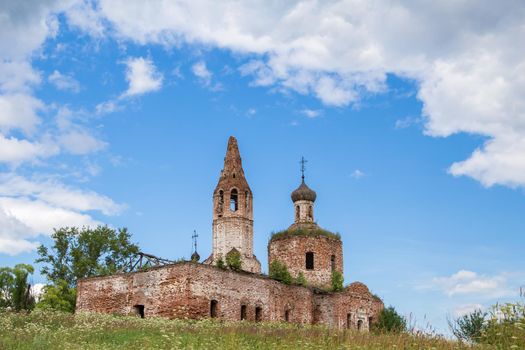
(258, 314)
(359, 325)
(348, 321)
(309, 261)
(139, 310)
(287, 315)
(213, 309)
(243, 312)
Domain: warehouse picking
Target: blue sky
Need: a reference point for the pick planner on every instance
(119, 113)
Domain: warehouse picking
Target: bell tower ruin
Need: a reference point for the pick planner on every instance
(233, 213)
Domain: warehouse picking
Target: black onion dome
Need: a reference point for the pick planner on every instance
(303, 192)
(195, 257)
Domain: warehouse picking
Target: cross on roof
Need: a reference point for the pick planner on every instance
(194, 238)
(303, 163)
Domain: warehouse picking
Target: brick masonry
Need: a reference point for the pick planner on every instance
(292, 252)
(193, 290)
(186, 290)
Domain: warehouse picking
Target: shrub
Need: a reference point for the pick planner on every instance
(468, 327)
(301, 280)
(233, 259)
(304, 232)
(389, 321)
(279, 272)
(220, 263)
(337, 281)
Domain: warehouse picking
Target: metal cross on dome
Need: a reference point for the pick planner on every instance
(194, 237)
(303, 167)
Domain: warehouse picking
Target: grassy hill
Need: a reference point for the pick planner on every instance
(51, 330)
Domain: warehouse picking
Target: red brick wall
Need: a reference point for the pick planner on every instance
(292, 250)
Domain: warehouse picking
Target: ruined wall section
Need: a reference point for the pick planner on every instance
(185, 290)
(291, 250)
(353, 308)
(231, 290)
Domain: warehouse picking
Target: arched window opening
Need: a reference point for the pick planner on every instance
(310, 212)
(359, 325)
(213, 309)
(332, 262)
(287, 315)
(309, 261)
(243, 312)
(139, 310)
(246, 203)
(258, 314)
(297, 213)
(234, 199)
(234, 175)
(348, 321)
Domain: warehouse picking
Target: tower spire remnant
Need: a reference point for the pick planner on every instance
(303, 167)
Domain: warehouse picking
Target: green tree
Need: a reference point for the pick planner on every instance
(301, 280)
(468, 327)
(389, 321)
(79, 253)
(59, 297)
(279, 272)
(337, 281)
(15, 291)
(233, 259)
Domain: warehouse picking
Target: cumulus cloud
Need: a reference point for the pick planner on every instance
(201, 71)
(33, 207)
(463, 56)
(64, 81)
(357, 174)
(311, 113)
(467, 309)
(142, 76)
(465, 282)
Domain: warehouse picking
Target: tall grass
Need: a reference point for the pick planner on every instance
(53, 330)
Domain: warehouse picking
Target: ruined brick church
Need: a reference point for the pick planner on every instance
(199, 290)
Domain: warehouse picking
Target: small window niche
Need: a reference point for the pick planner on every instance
(287, 315)
(213, 309)
(243, 312)
(139, 310)
(309, 263)
(348, 321)
(332, 262)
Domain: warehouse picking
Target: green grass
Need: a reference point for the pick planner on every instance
(304, 232)
(50, 330)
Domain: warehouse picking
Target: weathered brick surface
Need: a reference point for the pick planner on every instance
(185, 290)
(292, 252)
(233, 223)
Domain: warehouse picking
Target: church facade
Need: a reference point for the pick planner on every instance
(200, 290)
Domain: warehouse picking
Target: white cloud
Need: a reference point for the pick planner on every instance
(311, 113)
(467, 309)
(142, 76)
(407, 122)
(202, 72)
(16, 151)
(81, 142)
(18, 111)
(357, 174)
(64, 81)
(466, 282)
(33, 207)
(205, 76)
(463, 56)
